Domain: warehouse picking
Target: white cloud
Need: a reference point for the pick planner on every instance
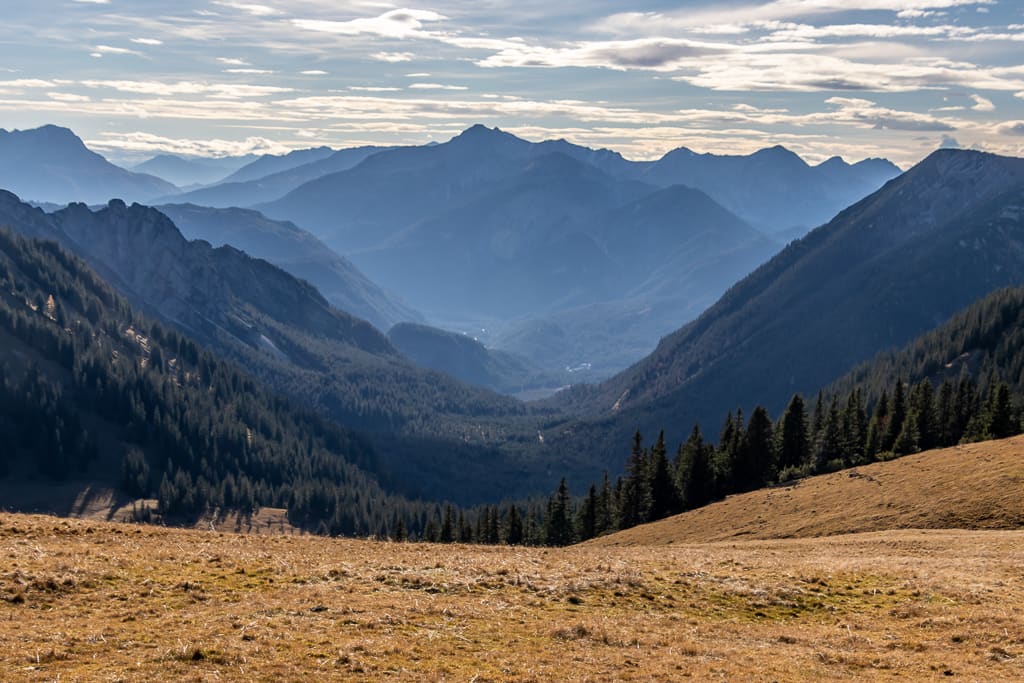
(28, 83)
(393, 57)
(435, 86)
(418, 75)
(982, 104)
(398, 23)
(147, 41)
(313, 72)
(111, 50)
(220, 90)
(66, 97)
(249, 71)
(232, 61)
(147, 142)
(372, 88)
(250, 8)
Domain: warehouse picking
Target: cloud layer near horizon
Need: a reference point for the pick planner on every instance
(859, 78)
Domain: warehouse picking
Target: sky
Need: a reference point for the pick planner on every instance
(854, 78)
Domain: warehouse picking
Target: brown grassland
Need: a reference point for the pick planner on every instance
(86, 600)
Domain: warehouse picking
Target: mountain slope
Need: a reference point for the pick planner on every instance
(274, 185)
(183, 171)
(435, 436)
(269, 164)
(51, 164)
(518, 247)
(773, 189)
(296, 251)
(974, 486)
(91, 391)
(890, 267)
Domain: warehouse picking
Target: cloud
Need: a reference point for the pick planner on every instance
(147, 142)
(147, 41)
(393, 57)
(435, 86)
(1011, 128)
(313, 72)
(398, 23)
(250, 8)
(232, 61)
(982, 104)
(218, 90)
(249, 71)
(111, 50)
(949, 142)
(654, 54)
(372, 88)
(28, 83)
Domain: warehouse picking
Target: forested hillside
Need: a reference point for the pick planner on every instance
(90, 389)
(959, 383)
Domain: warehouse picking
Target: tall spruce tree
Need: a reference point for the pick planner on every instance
(794, 443)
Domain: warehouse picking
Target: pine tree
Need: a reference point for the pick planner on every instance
(606, 506)
(448, 529)
(756, 463)
(514, 533)
(635, 501)
(586, 521)
(663, 493)
(877, 428)
(694, 473)
(794, 445)
(558, 527)
(898, 415)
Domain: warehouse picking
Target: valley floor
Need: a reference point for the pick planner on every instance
(83, 600)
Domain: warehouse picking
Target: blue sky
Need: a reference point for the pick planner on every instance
(857, 78)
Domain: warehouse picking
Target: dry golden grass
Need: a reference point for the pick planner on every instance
(90, 600)
(976, 486)
(95, 601)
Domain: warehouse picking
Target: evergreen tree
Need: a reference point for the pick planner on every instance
(794, 444)
(756, 463)
(694, 472)
(635, 500)
(586, 520)
(448, 529)
(515, 534)
(606, 507)
(558, 525)
(663, 493)
(898, 414)
(877, 428)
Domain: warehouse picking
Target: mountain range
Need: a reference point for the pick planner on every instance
(190, 171)
(297, 251)
(51, 164)
(890, 267)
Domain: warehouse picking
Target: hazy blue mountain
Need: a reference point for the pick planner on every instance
(51, 164)
(436, 437)
(465, 358)
(772, 189)
(672, 254)
(393, 190)
(895, 264)
(296, 251)
(530, 240)
(276, 185)
(269, 164)
(186, 171)
(519, 246)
